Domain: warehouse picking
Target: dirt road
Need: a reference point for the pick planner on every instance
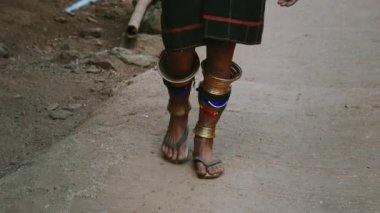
(301, 133)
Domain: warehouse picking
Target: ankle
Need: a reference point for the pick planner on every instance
(202, 144)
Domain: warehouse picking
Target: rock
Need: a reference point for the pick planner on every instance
(17, 96)
(4, 51)
(97, 88)
(60, 114)
(91, 32)
(60, 19)
(69, 55)
(94, 70)
(65, 46)
(148, 44)
(98, 42)
(72, 107)
(52, 106)
(130, 57)
(69, 67)
(141, 60)
(101, 62)
(107, 92)
(151, 23)
(89, 19)
(100, 80)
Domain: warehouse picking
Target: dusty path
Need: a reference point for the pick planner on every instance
(301, 133)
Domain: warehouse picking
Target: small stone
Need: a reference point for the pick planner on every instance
(60, 114)
(52, 106)
(69, 55)
(142, 60)
(17, 96)
(73, 107)
(151, 22)
(107, 92)
(101, 62)
(100, 80)
(347, 106)
(91, 32)
(97, 88)
(80, 98)
(89, 19)
(65, 46)
(130, 57)
(4, 51)
(98, 42)
(60, 19)
(68, 66)
(93, 70)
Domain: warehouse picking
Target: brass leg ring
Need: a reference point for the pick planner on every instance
(204, 132)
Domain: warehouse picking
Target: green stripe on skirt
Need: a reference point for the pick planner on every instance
(189, 23)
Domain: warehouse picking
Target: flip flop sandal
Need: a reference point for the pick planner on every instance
(168, 142)
(207, 165)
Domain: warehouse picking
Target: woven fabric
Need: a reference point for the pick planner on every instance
(189, 23)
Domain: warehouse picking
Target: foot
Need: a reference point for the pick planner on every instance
(203, 149)
(176, 130)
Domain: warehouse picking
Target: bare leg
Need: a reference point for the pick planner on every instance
(219, 59)
(179, 63)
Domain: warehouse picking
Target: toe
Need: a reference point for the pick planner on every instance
(169, 153)
(213, 170)
(166, 151)
(201, 169)
(163, 149)
(174, 154)
(180, 155)
(220, 168)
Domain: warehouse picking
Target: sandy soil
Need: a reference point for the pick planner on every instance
(45, 93)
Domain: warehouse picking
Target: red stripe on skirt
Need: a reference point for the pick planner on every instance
(233, 21)
(180, 29)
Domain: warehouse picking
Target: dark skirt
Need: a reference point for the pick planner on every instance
(189, 23)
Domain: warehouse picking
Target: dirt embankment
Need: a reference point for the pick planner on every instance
(50, 81)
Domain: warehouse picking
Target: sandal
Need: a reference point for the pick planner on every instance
(209, 164)
(168, 142)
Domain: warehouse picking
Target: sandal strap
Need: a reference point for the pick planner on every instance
(207, 164)
(168, 140)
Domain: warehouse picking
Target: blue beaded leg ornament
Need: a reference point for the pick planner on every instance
(213, 96)
(178, 85)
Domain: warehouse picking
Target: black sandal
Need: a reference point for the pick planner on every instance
(209, 164)
(168, 142)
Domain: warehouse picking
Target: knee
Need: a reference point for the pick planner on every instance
(180, 62)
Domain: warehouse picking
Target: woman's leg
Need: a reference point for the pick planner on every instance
(219, 60)
(178, 63)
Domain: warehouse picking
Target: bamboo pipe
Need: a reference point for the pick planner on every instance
(136, 18)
